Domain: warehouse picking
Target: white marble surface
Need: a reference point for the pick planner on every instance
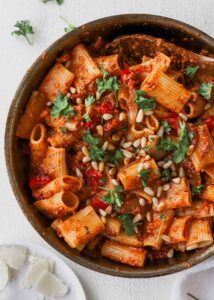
(16, 56)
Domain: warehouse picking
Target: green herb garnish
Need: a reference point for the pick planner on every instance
(86, 117)
(166, 174)
(64, 129)
(114, 159)
(144, 102)
(115, 196)
(167, 128)
(196, 190)
(191, 71)
(95, 152)
(88, 137)
(89, 101)
(59, 2)
(24, 29)
(167, 144)
(162, 217)
(127, 223)
(205, 90)
(144, 175)
(70, 27)
(62, 107)
(192, 296)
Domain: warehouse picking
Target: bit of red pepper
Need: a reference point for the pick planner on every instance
(107, 107)
(95, 120)
(125, 78)
(38, 181)
(93, 178)
(98, 204)
(173, 121)
(210, 123)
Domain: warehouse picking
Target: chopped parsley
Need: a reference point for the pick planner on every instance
(62, 107)
(24, 29)
(196, 190)
(191, 71)
(89, 100)
(88, 137)
(205, 90)
(86, 117)
(106, 84)
(166, 174)
(144, 175)
(144, 102)
(59, 2)
(96, 153)
(70, 27)
(166, 127)
(63, 129)
(167, 144)
(114, 159)
(115, 196)
(127, 223)
(162, 217)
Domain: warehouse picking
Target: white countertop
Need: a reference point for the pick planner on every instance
(16, 56)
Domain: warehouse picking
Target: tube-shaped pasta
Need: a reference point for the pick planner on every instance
(93, 243)
(126, 255)
(199, 209)
(167, 91)
(155, 229)
(59, 205)
(32, 114)
(113, 226)
(63, 183)
(208, 193)
(65, 140)
(178, 230)
(194, 107)
(199, 234)
(152, 122)
(123, 238)
(209, 170)
(109, 63)
(130, 177)
(81, 227)
(58, 80)
(38, 145)
(54, 163)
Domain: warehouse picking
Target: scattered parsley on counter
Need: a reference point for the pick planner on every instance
(70, 27)
(205, 90)
(59, 2)
(144, 102)
(191, 71)
(24, 29)
(62, 107)
(196, 190)
(192, 296)
(127, 223)
(144, 175)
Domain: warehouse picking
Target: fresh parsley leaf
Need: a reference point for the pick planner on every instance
(144, 175)
(86, 117)
(191, 71)
(196, 190)
(115, 196)
(166, 174)
(57, 1)
(162, 217)
(70, 27)
(102, 180)
(89, 101)
(24, 29)
(127, 223)
(205, 90)
(144, 102)
(167, 128)
(96, 153)
(88, 137)
(192, 296)
(63, 129)
(167, 144)
(105, 73)
(114, 159)
(62, 107)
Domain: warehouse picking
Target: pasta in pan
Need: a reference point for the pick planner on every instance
(121, 151)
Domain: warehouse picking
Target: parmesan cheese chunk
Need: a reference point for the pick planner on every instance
(13, 256)
(4, 274)
(49, 284)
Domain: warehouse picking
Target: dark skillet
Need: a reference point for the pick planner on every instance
(109, 28)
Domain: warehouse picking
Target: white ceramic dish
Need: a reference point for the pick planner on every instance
(15, 290)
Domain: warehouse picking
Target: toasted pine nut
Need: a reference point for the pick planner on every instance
(105, 145)
(86, 159)
(170, 253)
(166, 187)
(147, 157)
(111, 147)
(102, 212)
(148, 216)
(72, 90)
(192, 247)
(207, 106)
(155, 201)
(166, 238)
(101, 166)
(149, 113)
(109, 209)
(126, 161)
(167, 164)
(139, 117)
(143, 142)
(176, 180)
(85, 151)
(68, 95)
(146, 166)
(112, 171)
(99, 130)
(149, 191)
(141, 153)
(127, 145)
(142, 201)
(122, 116)
(159, 191)
(94, 165)
(114, 182)
(161, 206)
(181, 172)
(160, 131)
(79, 101)
(138, 217)
(115, 137)
(136, 143)
(183, 116)
(127, 153)
(136, 229)
(107, 117)
(140, 167)
(79, 173)
(103, 219)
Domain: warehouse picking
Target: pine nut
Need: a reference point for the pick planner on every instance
(172, 167)
(166, 187)
(79, 101)
(101, 166)
(161, 206)
(160, 131)
(49, 103)
(138, 217)
(159, 191)
(98, 96)
(103, 219)
(167, 164)
(152, 137)
(111, 147)
(127, 145)
(176, 180)
(141, 152)
(114, 182)
(112, 171)
(79, 173)
(109, 209)
(143, 141)
(102, 212)
(142, 202)
(94, 165)
(207, 106)
(147, 157)
(122, 116)
(192, 247)
(107, 117)
(148, 216)
(136, 229)
(146, 166)
(99, 130)
(140, 167)
(190, 150)
(127, 153)
(149, 113)
(155, 201)
(126, 161)
(183, 116)
(139, 117)
(160, 163)
(181, 172)
(85, 151)
(86, 159)
(115, 137)
(170, 253)
(111, 165)
(149, 191)
(166, 238)
(72, 90)
(136, 143)
(68, 95)
(122, 141)
(105, 145)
